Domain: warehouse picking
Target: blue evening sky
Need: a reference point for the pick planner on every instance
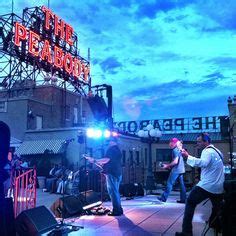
(164, 58)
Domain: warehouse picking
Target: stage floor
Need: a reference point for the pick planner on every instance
(142, 216)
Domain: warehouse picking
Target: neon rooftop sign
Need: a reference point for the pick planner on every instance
(50, 43)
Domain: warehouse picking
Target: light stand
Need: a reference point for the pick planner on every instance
(149, 135)
(85, 169)
(86, 180)
(150, 183)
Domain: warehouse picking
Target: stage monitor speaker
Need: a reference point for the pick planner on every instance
(35, 221)
(69, 206)
(131, 190)
(98, 107)
(89, 197)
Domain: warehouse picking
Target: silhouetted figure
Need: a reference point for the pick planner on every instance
(6, 205)
(4, 149)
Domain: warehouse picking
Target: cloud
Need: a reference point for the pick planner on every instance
(170, 56)
(215, 75)
(224, 62)
(138, 62)
(110, 65)
(215, 107)
(121, 4)
(149, 9)
(223, 12)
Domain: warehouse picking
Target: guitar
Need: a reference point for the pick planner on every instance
(91, 160)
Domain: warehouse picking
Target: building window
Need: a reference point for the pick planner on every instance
(39, 122)
(145, 156)
(67, 112)
(3, 106)
(131, 158)
(123, 157)
(75, 115)
(83, 118)
(137, 158)
(163, 155)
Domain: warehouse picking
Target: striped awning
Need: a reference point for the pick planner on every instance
(14, 142)
(33, 147)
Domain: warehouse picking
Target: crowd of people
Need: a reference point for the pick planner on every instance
(59, 177)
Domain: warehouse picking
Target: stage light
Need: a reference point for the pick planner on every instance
(94, 133)
(114, 134)
(98, 133)
(90, 133)
(107, 134)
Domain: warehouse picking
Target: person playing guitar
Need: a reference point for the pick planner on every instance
(177, 170)
(112, 170)
(99, 163)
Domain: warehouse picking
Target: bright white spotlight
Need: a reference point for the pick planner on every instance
(97, 133)
(107, 133)
(90, 133)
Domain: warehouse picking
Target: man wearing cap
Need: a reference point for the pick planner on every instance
(112, 169)
(177, 170)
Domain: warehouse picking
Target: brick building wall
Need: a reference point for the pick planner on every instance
(49, 104)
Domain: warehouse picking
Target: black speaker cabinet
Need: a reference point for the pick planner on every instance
(67, 206)
(229, 208)
(35, 221)
(89, 197)
(131, 190)
(98, 107)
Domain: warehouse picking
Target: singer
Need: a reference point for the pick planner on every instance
(113, 171)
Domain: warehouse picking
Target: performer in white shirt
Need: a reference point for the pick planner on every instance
(210, 184)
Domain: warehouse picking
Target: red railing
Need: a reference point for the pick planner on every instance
(23, 189)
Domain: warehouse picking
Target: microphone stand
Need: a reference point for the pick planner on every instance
(86, 171)
(86, 180)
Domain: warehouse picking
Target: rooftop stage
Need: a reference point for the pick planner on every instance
(142, 216)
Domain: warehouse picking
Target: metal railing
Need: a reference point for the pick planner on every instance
(23, 189)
